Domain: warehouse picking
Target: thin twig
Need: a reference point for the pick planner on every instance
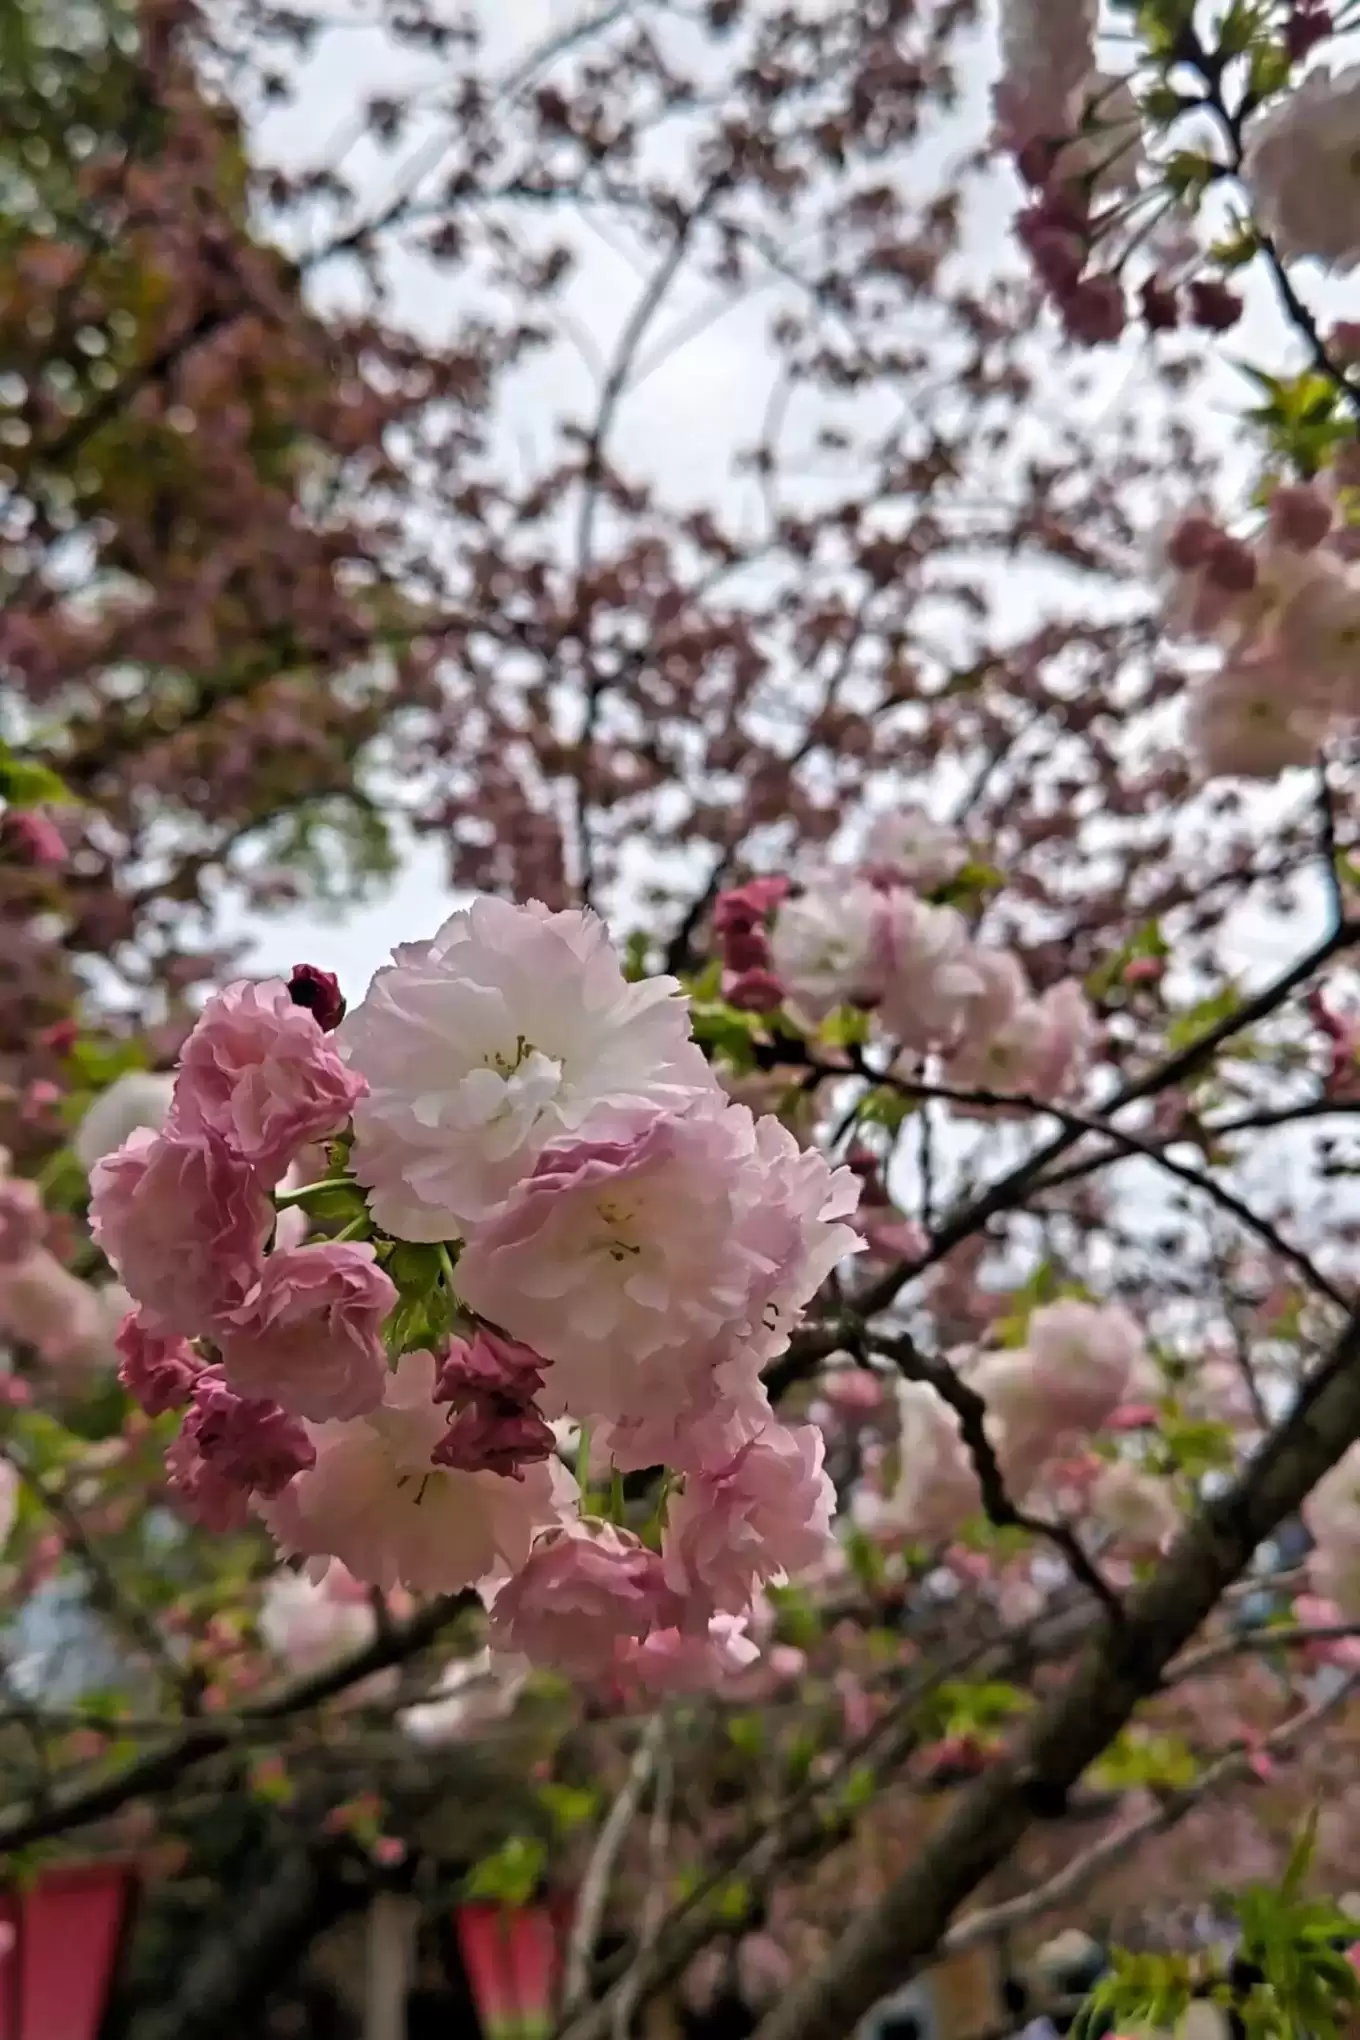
(595, 1884)
(654, 1908)
(971, 1411)
(1078, 1875)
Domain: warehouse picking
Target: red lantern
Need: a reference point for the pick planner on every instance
(513, 1958)
(60, 1940)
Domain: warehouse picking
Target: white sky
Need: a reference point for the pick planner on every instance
(679, 424)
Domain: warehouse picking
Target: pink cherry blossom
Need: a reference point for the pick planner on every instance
(1027, 1423)
(183, 1223)
(1299, 169)
(936, 977)
(489, 1364)
(936, 1487)
(258, 1072)
(759, 1513)
(838, 942)
(43, 1305)
(310, 1332)
(585, 1589)
(909, 847)
(374, 1501)
(700, 1227)
(309, 1624)
(158, 1373)
(230, 1448)
(1036, 1052)
(670, 1660)
(513, 1028)
(1083, 1356)
(23, 1222)
(1246, 723)
(493, 1435)
(206, 1496)
(1136, 1509)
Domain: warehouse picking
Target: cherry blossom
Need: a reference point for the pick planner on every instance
(512, 1028)
(309, 1332)
(1083, 1357)
(759, 1513)
(157, 1372)
(701, 1227)
(309, 1623)
(184, 1223)
(258, 1072)
(374, 1501)
(1299, 169)
(670, 1660)
(585, 1589)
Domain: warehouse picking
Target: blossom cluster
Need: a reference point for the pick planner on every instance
(1332, 1515)
(68, 1323)
(869, 936)
(1074, 1376)
(1077, 136)
(1284, 609)
(600, 1238)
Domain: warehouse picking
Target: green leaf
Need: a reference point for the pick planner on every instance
(857, 1790)
(636, 955)
(1192, 1023)
(847, 1027)
(1300, 1857)
(28, 782)
(884, 1107)
(510, 1874)
(569, 1806)
(746, 1732)
(725, 1034)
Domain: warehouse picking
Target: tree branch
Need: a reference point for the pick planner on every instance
(891, 1942)
(159, 1769)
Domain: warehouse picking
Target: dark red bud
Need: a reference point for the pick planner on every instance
(319, 991)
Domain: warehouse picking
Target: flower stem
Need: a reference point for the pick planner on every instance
(289, 1197)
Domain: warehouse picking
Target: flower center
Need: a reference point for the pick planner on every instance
(618, 1216)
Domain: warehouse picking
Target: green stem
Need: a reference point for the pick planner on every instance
(355, 1227)
(289, 1197)
(446, 1267)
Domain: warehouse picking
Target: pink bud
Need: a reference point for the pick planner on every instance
(1307, 26)
(746, 949)
(319, 991)
(754, 991)
(32, 838)
(1192, 543)
(1231, 567)
(1300, 515)
(489, 1435)
(1094, 312)
(1160, 306)
(1214, 307)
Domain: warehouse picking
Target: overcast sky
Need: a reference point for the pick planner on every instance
(693, 403)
